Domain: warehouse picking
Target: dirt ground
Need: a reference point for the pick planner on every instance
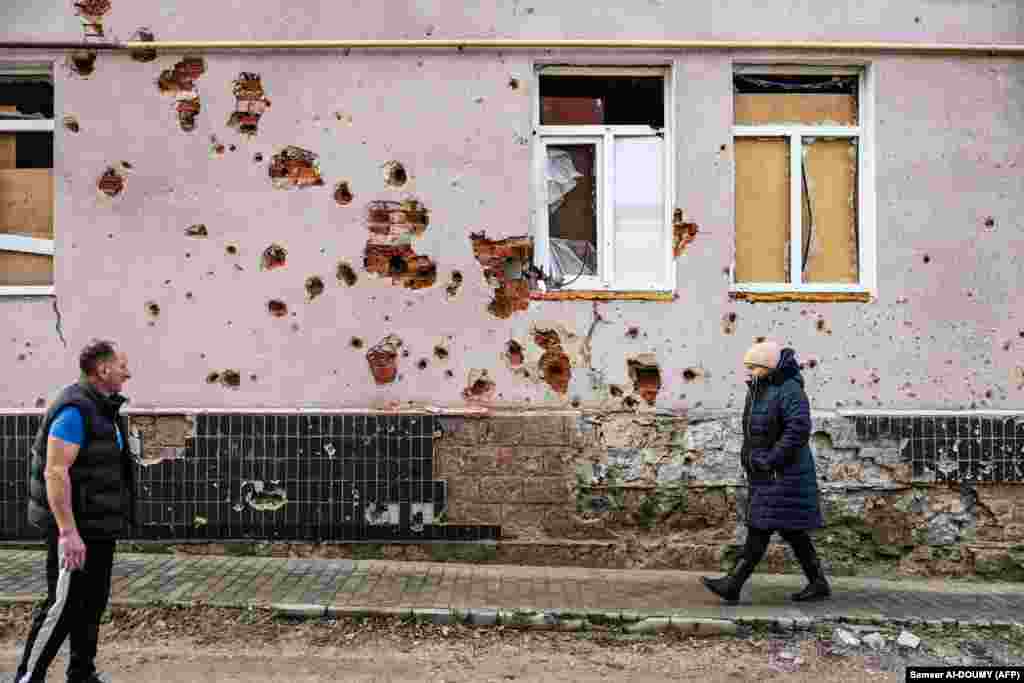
(163, 645)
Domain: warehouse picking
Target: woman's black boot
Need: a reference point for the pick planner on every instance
(728, 587)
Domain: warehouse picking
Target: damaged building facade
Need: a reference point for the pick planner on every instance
(496, 294)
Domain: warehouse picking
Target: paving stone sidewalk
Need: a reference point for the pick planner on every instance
(325, 587)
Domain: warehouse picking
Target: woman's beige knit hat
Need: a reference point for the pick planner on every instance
(765, 354)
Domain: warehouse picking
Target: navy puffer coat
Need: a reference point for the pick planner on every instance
(775, 454)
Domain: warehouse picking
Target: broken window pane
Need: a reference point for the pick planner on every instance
(808, 100)
(572, 210)
(762, 209)
(639, 205)
(609, 100)
(829, 205)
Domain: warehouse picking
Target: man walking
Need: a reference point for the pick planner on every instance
(779, 464)
(81, 493)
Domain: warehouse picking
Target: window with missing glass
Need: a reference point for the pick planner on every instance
(803, 183)
(602, 178)
(26, 180)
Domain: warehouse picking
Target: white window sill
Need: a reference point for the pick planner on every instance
(27, 290)
(816, 292)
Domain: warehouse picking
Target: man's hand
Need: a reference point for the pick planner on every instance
(72, 549)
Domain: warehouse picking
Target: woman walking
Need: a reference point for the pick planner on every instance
(779, 465)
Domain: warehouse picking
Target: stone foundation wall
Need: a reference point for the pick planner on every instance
(632, 490)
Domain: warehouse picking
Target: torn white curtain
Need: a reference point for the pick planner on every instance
(561, 176)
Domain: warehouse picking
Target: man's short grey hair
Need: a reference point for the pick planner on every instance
(94, 353)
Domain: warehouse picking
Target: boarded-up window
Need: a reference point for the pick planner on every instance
(797, 135)
(26, 182)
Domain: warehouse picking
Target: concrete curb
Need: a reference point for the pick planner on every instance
(558, 620)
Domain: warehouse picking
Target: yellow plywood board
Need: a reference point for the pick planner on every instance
(26, 202)
(802, 108)
(762, 209)
(830, 211)
(17, 269)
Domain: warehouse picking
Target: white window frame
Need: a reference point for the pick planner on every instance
(603, 137)
(864, 134)
(20, 243)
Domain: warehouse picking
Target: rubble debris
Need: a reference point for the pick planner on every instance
(908, 640)
(510, 294)
(180, 81)
(846, 638)
(383, 359)
(262, 497)
(295, 167)
(250, 103)
(876, 641)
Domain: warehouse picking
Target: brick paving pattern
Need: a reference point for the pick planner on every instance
(383, 585)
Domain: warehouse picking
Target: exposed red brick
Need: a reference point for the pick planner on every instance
(556, 369)
(399, 262)
(250, 103)
(111, 183)
(683, 233)
(547, 340)
(481, 387)
(514, 353)
(509, 295)
(383, 360)
(646, 380)
(295, 167)
(180, 82)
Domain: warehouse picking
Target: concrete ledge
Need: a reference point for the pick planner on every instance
(292, 609)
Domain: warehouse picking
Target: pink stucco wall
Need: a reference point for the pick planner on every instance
(949, 149)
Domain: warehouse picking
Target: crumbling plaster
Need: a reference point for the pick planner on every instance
(941, 335)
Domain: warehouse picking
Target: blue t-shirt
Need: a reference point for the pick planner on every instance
(69, 426)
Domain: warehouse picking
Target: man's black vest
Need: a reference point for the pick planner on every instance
(102, 476)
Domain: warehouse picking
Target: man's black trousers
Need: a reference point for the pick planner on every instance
(75, 601)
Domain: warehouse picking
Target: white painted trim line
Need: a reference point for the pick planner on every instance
(26, 245)
(26, 125)
(555, 129)
(782, 131)
(27, 290)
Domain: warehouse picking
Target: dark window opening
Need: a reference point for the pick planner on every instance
(746, 84)
(602, 100)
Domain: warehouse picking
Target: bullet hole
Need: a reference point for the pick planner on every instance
(821, 326)
(274, 256)
(387, 318)
(615, 390)
(277, 308)
(990, 222)
(231, 379)
(514, 353)
(216, 148)
(633, 332)
(988, 393)
(440, 352)
(683, 233)
(405, 353)
(143, 35)
(231, 148)
(383, 360)
(111, 183)
(295, 326)
(187, 254)
(760, 339)
(513, 83)
(926, 258)
(188, 295)
(692, 374)
(812, 363)
(40, 402)
(575, 403)
(721, 148)
(510, 295)
(253, 377)
(342, 193)
(257, 158)
(422, 364)
(83, 62)
(729, 323)
(394, 174)
(71, 124)
(213, 378)
(917, 20)
(179, 81)
(231, 249)
(449, 374)
(481, 387)
(314, 287)
(453, 286)
(630, 403)
(1006, 345)
(294, 167)
(397, 265)
(250, 104)
(346, 274)
(153, 308)
(355, 343)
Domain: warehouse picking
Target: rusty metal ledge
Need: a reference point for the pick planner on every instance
(808, 297)
(601, 295)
